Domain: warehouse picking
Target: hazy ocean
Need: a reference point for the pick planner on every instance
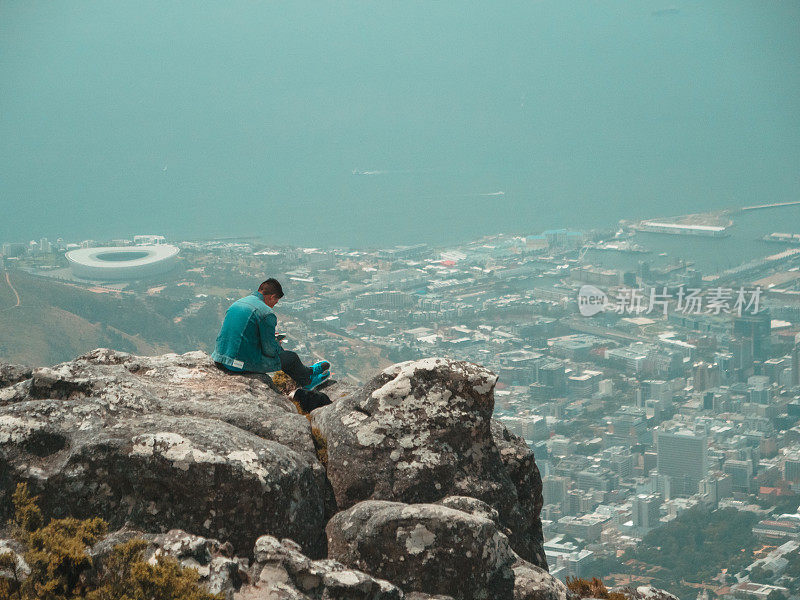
(359, 123)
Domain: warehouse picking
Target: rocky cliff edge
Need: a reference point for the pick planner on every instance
(405, 488)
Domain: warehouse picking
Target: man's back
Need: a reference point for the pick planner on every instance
(246, 341)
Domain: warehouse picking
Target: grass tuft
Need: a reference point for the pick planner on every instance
(284, 383)
(321, 445)
(592, 588)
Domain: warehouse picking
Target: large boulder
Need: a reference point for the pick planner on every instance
(526, 536)
(533, 583)
(421, 431)
(11, 374)
(473, 506)
(425, 548)
(161, 443)
(644, 592)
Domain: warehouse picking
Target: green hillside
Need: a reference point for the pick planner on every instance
(58, 321)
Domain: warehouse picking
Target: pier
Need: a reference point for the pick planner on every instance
(773, 205)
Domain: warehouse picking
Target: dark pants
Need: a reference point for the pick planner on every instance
(294, 368)
(290, 364)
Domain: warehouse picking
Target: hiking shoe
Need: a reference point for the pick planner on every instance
(317, 380)
(310, 400)
(320, 367)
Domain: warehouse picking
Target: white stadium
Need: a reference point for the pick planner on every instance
(118, 263)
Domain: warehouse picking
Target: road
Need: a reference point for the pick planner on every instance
(13, 289)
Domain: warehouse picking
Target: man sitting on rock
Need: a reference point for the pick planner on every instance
(247, 342)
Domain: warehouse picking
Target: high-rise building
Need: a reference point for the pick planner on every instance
(682, 457)
(561, 445)
(551, 373)
(534, 427)
(661, 485)
(705, 376)
(619, 459)
(552, 512)
(596, 478)
(645, 510)
(741, 472)
(656, 389)
(580, 502)
(758, 389)
(716, 486)
(11, 250)
(584, 385)
(795, 362)
(626, 430)
(725, 361)
(649, 461)
(774, 368)
(742, 351)
(791, 468)
(756, 329)
(554, 490)
(654, 411)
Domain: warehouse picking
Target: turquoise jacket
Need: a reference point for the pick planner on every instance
(247, 341)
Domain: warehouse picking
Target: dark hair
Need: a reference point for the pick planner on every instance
(270, 287)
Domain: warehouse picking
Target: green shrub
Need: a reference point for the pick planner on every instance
(126, 576)
(61, 568)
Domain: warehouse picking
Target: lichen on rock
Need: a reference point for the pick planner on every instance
(421, 431)
(405, 488)
(165, 442)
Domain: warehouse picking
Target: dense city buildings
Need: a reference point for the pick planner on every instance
(639, 416)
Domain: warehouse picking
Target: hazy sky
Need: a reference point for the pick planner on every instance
(369, 123)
